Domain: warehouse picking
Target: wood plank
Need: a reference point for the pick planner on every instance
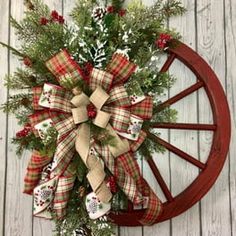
(17, 204)
(163, 164)
(230, 37)
(182, 173)
(43, 227)
(18, 218)
(215, 209)
(4, 30)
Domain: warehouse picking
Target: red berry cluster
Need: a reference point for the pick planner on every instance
(112, 184)
(24, 132)
(55, 17)
(91, 111)
(27, 61)
(163, 40)
(111, 9)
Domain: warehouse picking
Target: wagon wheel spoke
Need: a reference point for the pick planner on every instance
(168, 63)
(180, 96)
(160, 179)
(177, 151)
(188, 126)
(158, 176)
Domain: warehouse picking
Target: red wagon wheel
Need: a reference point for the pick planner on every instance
(209, 170)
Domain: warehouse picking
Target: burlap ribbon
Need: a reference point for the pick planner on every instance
(68, 114)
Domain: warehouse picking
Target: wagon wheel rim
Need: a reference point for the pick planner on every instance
(221, 128)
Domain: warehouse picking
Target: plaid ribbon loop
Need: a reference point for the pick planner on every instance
(65, 110)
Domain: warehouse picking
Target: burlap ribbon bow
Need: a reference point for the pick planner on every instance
(67, 113)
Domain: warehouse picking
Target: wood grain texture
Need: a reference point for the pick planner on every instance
(215, 207)
(4, 12)
(230, 42)
(18, 207)
(182, 172)
(209, 27)
(43, 227)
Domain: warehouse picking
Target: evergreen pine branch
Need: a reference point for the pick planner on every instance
(30, 142)
(173, 8)
(17, 102)
(14, 50)
(21, 79)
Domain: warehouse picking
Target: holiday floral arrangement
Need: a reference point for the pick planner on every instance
(89, 89)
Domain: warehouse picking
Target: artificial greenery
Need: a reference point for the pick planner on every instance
(99, 30)
(78, 218)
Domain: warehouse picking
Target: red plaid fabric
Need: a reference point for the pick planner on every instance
(70, 80)
(60, 100)
(34, 169)
(121, 68)
(62, 64)
(143, 109)
(130, 165)
(120, 118)
(154, 209)
(118, 97)
(100, 78)
(37, 118)
(63, 123)
(64, 153)
(62, 195)
(126, 182)
(37, 91)
(134, 145)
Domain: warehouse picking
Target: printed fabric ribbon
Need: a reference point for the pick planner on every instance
(65, 107)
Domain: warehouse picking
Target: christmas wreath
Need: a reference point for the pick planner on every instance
(89, 89)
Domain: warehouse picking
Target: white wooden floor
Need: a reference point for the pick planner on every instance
(208, 27)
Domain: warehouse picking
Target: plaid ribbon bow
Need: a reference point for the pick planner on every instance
(53, 191)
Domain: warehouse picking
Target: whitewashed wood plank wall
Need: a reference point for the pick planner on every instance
(209, 27)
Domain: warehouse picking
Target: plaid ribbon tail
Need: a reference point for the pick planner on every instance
(64, 67)
(125, 182)
(37, 91)
(121, 68)
(143, 109)
(154, 209)
(34, 169)
(119, 97)
(100, 78)
(120, 118)
(62, 194)
(134, 145)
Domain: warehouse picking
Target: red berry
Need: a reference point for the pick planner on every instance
(110, 9)
(43, 21)
(55, 15)
(24, 132)
(91, 111)
(61, 20)
(122, 12)
(27, 61)
(163, 40)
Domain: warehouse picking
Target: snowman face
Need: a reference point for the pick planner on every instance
(95, 207)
